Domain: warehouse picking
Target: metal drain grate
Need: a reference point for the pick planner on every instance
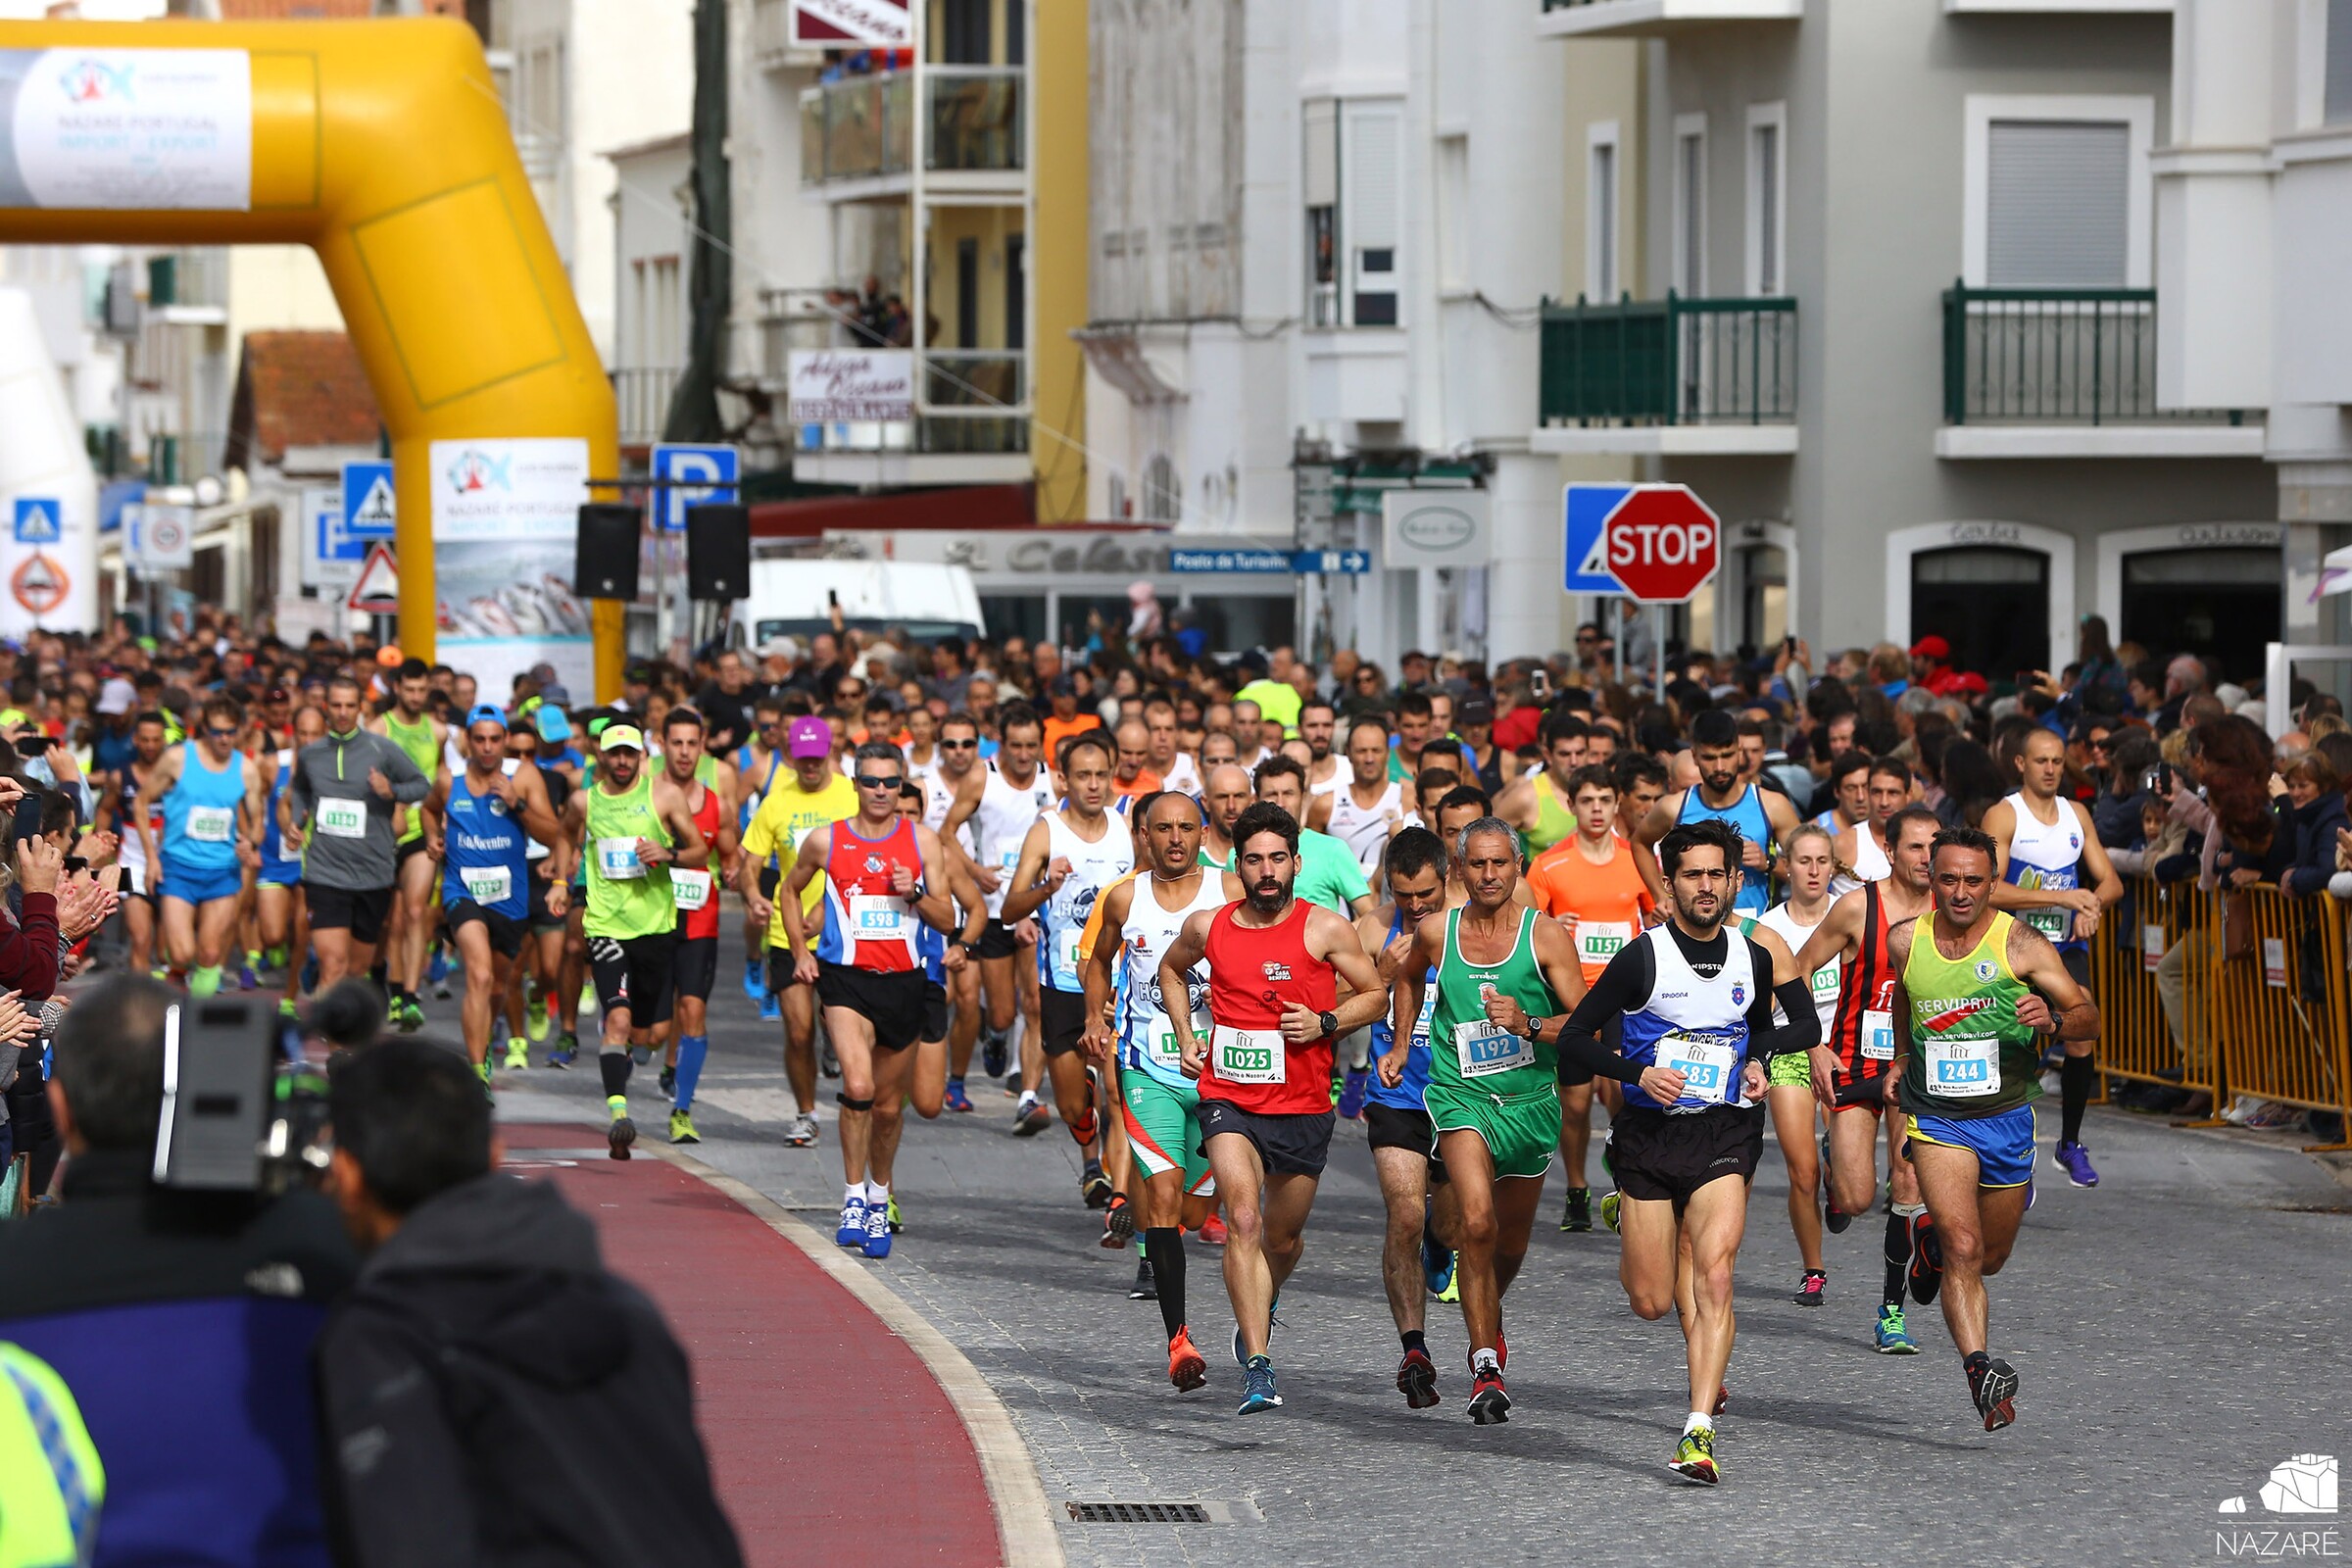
(1139, 1513)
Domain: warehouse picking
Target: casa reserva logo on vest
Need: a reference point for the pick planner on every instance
(2288, 1517)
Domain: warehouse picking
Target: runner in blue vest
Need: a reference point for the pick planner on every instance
(480, 819)
(1758, 815)
(211, 798)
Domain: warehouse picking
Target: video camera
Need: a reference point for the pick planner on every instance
(243, 1110)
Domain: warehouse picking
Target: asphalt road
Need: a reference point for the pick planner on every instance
(2180, 1330)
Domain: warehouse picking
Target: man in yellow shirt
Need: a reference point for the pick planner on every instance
(1278, 700)
(815, 796)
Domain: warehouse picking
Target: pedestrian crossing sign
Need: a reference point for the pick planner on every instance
(39, 520)
(368, 507)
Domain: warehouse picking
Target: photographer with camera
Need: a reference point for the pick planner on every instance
(182, 1318)
(489, 1392)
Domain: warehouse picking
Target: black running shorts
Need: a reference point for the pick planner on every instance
(1296, 1145)
(1063, 1016)
(1395, 1127)
(935, 1010)
(893, 1003)
(780, 977)
(632, 972)
(997, 941)
(1658, 1158)
(362, 913)
(506, 931)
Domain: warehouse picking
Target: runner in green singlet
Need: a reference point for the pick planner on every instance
(1967, 1071)
(1493, 1098)
(629, 823)
(1537, 804)
(407, 725)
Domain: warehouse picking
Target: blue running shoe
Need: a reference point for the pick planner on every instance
(1258, 1387)
(877, 1229)
(2075, 1159)
(1437, 1265)
(993, 1055)
(754, 986)
(851, 1231)
(1893, 1338)
(771, 1009)
(438, 971)
(956, 1099)
(567, 1051)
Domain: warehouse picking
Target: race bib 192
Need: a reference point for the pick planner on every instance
(1484, 1050)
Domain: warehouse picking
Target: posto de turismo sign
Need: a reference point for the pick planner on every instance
(839, 386)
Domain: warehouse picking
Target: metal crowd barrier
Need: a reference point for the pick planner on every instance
(2273, 1021)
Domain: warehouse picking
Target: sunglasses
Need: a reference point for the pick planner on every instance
(2101, 746)
(212, 734)
(877, 782)
(960, 746)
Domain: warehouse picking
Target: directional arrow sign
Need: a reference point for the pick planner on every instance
(377, 592)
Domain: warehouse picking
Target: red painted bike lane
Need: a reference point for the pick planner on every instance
(831, 1441)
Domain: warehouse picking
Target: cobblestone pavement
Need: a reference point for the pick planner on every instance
(2180, 1330)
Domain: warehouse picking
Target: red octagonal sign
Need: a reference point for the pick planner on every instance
(1663, 542)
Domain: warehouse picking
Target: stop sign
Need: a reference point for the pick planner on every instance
(1663, 542)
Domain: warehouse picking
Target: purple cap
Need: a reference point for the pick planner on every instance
(809, 737)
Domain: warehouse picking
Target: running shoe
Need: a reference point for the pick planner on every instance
(771, 1009)
(1609, 1205)
(567, 1051)
(1695, 1457)
(1241, 1357)
(1810, 1288)
(2075, 1159)
(536, 1019)
(1030, 1117)
(1188, 1368)
(247, 980)
(1577, 1215)
(1723, 1399)
(1146, 1285)
(895, 1223)
(286, 1007)
(1118, 1223)
(1994, 1389)
(1417, 1380)
(993, 1054)
(1014, 1089)
(1437, 1262)
(437, 971)
(827, 1062)
(1358, 1084)
(1490, 1404)
(1258, 1387)
(309, 973)
(681, 1128)
(956, 1099)
(1212, 1231)
(624, 1132)
(669, 1082)
(411, 1017)
(852, 1230)
(1927, 1260)
(1891, 1338)
(1093, 1186)
(1834, 1220)
(640, 1055)
(877, 1229)
(482, 1070)
(803, 1133)
(755, 985)
(519, 1053)
(588, 1001)
(1452, 1292)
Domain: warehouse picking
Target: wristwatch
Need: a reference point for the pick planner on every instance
(1535, 1029)
(1329, 1023)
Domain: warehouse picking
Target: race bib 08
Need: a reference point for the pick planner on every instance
(1826, 979)
(1249, 1056)
(341, 817)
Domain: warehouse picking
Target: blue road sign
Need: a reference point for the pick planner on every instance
(1331, 563)
(1585, 514)
(721, 467)
(368, 507)
(39, 520)
(1266, 560)
(336, 541)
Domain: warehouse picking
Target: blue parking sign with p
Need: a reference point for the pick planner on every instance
(696, 475)
(39, 520)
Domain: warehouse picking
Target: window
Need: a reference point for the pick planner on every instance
(1163, 492)
(2337, 103)
(1690, 206)
(1600, 211)
(1016, 290)
(1453, 214)
(963, 39)
(1369, 156)
(968, 293)
(1767, 204)
(1320, 127)
(658, 328)
(1016, 32)
(2058, 192)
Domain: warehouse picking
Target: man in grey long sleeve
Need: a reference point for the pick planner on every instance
(340, 809)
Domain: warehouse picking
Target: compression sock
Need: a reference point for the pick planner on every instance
(1898, 1257)
(205, 980)
(1163, 1248)
(1083, 1128)
(1414, 1339)
(2075, 1080)
(692, 1049)
(613, 1063)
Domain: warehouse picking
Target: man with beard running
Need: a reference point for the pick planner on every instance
(1860, 848)
(337, 810)
(1416, 1252)
(694, 966)
(1274, 965)
(1492, 1097)
(1979, 991)
(1069, 856)
(424, 738)
(1758, 816)
(1138, 919)
(1849, 1069)
(1696, 1000)
(1003, 799)
(957, 755)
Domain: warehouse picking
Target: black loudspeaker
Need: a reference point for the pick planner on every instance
(605, 566)
(719, 552)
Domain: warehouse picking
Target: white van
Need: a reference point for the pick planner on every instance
(790, 598)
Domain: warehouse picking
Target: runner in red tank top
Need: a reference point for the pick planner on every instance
(1265, 1069)
(693, 969)
(1854, 1069)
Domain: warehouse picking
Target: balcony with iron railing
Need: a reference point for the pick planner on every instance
(1636, 18)
(861, 128)
(2067, 373)
(1671, 376)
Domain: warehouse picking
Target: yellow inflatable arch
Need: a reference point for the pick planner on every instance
(384, 147)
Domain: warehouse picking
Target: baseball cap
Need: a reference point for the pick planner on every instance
(485, 713)
(621, 738)
(389, 656)
(554, 692)
(554, 725)
(809, 737)
(1062, 686)
(1931, 647)
(1476, 713)
(117, 697)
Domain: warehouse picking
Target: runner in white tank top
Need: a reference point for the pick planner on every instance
(1870, 865)
(1366, 829)
(1007, 810)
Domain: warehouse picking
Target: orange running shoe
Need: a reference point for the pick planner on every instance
(1188, 1369)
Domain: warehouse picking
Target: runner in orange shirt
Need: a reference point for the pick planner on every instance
(1590, 882)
